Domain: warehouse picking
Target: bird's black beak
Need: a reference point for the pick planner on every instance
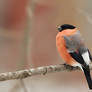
(59, 29)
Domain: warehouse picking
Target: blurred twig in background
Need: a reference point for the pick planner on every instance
(86, 14)
(25, 49)
(26, 42)
(23, 85)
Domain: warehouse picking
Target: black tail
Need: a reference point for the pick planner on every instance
(88, 77)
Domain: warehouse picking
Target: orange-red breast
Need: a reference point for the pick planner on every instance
(73, 50)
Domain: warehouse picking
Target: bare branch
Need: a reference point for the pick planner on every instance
(36, 71)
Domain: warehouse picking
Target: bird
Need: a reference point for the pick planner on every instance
(73, 50)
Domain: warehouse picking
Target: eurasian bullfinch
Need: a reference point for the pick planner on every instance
(73, 50)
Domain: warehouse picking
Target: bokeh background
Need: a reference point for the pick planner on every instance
(27, 39)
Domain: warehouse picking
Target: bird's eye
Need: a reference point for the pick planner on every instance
(59, 28)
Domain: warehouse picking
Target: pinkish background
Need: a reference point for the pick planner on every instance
(40, 49)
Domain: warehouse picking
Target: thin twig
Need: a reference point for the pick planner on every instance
(36, 71)
(24, 86)
(26, 41)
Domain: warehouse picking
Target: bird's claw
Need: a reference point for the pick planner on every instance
(69, 67)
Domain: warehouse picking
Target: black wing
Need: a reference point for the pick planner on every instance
(79, 59)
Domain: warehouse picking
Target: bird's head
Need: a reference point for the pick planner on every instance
(65, 26)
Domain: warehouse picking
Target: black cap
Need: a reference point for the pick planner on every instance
(65, 26)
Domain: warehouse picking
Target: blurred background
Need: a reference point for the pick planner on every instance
(27, 39)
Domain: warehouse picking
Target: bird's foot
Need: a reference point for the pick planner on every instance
(68, 67)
